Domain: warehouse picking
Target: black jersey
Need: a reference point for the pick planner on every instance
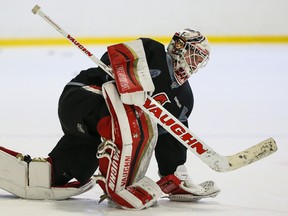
(178, 100)
(80, 110)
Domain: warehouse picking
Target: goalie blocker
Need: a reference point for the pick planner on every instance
(131, 72)
(125, 154)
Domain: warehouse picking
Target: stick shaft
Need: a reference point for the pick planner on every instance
(37, 10)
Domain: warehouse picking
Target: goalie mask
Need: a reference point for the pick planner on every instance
(189, 51)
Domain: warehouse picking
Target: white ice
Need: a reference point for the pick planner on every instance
(241, 98)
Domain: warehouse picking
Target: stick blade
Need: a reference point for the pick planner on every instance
(252, 154)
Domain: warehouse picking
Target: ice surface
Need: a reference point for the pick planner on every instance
(241, 98)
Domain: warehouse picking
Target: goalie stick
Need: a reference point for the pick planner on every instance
(163, 117)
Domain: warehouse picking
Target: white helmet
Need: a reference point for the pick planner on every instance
(189, 50)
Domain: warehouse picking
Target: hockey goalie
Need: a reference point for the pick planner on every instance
(105, 129)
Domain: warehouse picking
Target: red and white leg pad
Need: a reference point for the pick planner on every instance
(129, 139)
(31, 179)
(180, 187)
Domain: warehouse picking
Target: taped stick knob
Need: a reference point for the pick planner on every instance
(35, 9)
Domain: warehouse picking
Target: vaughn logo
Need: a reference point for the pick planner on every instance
(169, 122)
(114, 173)
(80, 46)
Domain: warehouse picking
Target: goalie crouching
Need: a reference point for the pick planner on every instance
(105, 129)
